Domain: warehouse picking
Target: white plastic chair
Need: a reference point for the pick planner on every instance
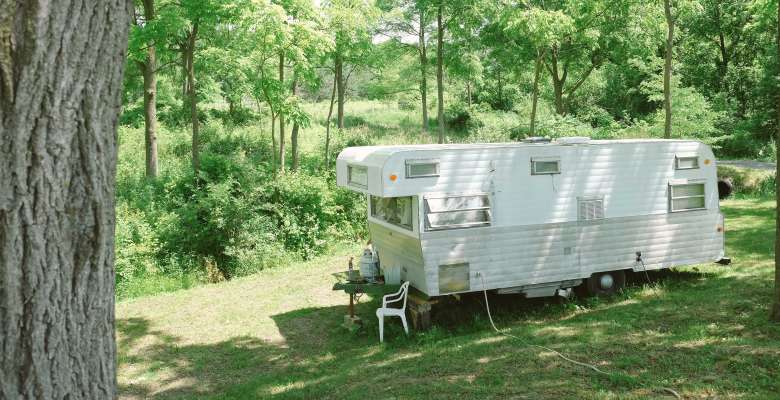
(384, 311)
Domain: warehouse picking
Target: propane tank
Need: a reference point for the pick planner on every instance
(368, 265)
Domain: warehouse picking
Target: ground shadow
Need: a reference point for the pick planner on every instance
(701, 332)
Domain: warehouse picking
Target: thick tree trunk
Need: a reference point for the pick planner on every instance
(440, 73)
(776, 304)
(61, 67)
(327, 125)
(339, 65)
(535, 93)
(668, 69)
(149, 69)
(294, 133)
(192, 95)
(423, 71)
(281, 116)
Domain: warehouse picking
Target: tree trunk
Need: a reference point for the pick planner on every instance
(327, 125)
(558, 82)
(440, 73)
(468, 92)
(273, 141)
(535, 93)
(423, 71)
(339, 64)
(668, 69)
(294, 133)
(500, 88)
(776, 304)
(149, 69)
(192, 96)
(281, 116)
(61, 70)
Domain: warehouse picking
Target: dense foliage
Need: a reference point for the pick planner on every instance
(235, 80)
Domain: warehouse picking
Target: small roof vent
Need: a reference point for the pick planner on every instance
(573, 140)
(536, 139)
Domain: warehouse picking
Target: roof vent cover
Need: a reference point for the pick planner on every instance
(536, 139)
(573, 140)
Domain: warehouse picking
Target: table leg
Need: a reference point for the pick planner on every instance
(351, 304)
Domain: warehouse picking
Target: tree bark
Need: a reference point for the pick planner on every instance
(294, 133)
(776, 304)
(339, 66)
(440, 73)
(423, 52)
(149, 70)
(281, 116)
(192, 95)
(327, 125)
(558, 82)
(535, 93)
(468, 92)
(668, 69)
(500, 88)
(273, 141)
(61, 68)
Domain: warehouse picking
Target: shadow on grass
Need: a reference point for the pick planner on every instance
(701, 332)
(680, 329)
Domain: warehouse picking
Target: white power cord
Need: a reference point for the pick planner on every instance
(557, 353)
(490, 317)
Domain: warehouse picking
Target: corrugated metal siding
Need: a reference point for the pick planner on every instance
(399, 249)
(535, 236)
(522, 255)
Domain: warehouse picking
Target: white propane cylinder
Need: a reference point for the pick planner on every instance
(368, 265)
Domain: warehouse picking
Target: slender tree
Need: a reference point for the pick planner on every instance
(327, 124)
(535, 91)
(668, 69)
(440, 72)
(61, 71)
(422, 52)
(148, 69)
(281, 115)
(776, 306)
(294, 132)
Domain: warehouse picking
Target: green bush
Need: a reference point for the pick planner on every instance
(749, 181)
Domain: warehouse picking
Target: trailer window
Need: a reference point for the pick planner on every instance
(684, 197)
(457, 211)
(590, 208)
(686, 161)
(357, 175)
(545, 166)
(422, 168)
(393, 210)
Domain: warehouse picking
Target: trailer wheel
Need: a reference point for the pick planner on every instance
(606, 283)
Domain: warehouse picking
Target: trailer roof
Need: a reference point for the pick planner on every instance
(378, 154)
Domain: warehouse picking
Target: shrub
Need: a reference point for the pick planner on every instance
(749, 181)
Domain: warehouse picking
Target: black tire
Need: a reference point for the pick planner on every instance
(605, 283)
(725, 188)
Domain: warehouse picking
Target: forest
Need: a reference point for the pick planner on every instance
(234, 110)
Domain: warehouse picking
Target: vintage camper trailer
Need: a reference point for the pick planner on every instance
(537, 218)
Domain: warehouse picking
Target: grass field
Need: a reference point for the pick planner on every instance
(700, 330)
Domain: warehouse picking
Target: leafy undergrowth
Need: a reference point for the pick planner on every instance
(700, 330)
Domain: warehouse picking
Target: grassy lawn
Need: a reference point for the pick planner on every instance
(701, 330)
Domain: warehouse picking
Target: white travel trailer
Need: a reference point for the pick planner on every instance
(537, 218)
